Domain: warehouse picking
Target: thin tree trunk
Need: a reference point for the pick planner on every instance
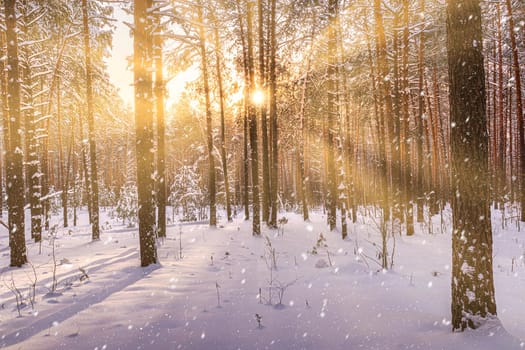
(223, 127)
(519, 110)
(405, 145)
(274, 130)
(502, 149)
(95, 226)
(32, 161)
(302, 146)
(264, 122)
(5, 114)
(209, 129)
(161, 132)
(61, 161)
(419, 121)
(15, 166)
(85, 167)
(252, 118)
(246, 160)
(331, 117)
(384, 93)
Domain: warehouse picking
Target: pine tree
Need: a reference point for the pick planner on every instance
(472, 277)
(95, 225)
(252, 119)
(14, 156)
(161, 129)
(209, 129)
(144, 130)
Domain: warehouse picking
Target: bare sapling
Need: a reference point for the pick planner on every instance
(32, 285)
(17, 293)
(217, 287)
(281, 223)
(52, 236)
(258, 318)
(271, 254)
(281, 289)
(180, 242)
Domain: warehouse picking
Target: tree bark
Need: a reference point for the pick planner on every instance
(223, 126)
(246, 160)
(144, 130)
(404, 145)
(161, 131)
(472, 277)
(519, 110)
(252, 119)
(420, 192)
(95, 225)
(264, 122)
(15, 166)
(274, 130)
(209, 129)
(331, 117)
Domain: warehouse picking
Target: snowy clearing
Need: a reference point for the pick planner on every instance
(322, 293)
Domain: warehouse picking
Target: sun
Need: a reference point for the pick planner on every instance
(258, 97)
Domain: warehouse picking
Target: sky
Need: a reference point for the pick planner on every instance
(118, 68)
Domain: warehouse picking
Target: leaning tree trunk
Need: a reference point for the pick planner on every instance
(95, 226)
(15, 164)
(144, 131)
(472, 277)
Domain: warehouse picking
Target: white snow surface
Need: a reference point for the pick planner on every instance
(351, 304)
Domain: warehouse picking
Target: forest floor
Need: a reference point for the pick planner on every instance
(224, 293)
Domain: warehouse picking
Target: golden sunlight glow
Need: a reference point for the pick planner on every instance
(258, 97)
(177, 85)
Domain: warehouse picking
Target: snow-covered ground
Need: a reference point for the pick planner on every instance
(213, 297)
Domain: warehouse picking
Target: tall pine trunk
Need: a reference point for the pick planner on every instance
(331, 116)
(420, 192)
(95, 225)
(519, 110)
(246, 159)
(264, 121)
(161, 132)
(274, 131)
(472, 277)
(223, 126)
(209, 129)
(15, 164)
(252, 120)
(30, 116)
(404, 145)
(144, 130)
